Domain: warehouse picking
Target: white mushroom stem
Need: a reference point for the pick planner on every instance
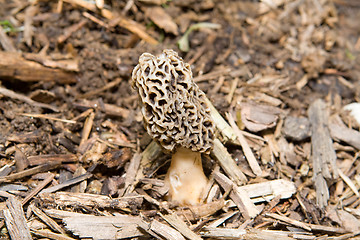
(186, 178)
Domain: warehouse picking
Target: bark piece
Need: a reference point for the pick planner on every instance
(14, 66)
(323, 153)
(15, 220)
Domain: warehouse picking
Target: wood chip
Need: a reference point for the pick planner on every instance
(104, 227)
(162, 230)
(88, 200)
(323, 153)
(15, 220)
(180, 225)
(254, 165)
(227, 163)
(14, 66)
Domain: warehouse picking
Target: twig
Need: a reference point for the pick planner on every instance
(38, 188)
(254, 165)
(70, 30)
(67, 183)
(28, 172)
(102, 89)
(96, 20)
(14, 95)
(47, 220)
(44, 116)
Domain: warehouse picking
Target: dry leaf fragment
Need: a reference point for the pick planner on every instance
(257, 117)
(162, 19)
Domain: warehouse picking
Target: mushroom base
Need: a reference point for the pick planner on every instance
(186, 178)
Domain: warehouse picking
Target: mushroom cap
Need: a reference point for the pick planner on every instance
(174, 108)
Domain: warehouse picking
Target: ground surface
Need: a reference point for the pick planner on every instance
(263, 63)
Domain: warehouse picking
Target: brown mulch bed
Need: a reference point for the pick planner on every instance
(283, 79)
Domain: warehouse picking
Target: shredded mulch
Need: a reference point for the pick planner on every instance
(282, 79)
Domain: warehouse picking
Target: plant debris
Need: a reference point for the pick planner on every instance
(280, 78)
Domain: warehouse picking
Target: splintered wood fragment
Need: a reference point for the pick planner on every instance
(228, 163)
(230, 233)
(47, 220)
(131, 173)
(222, 219)
(14, 66)
(70, 30)
(161, 230)
(239, 196)
(254, 165)
(193, 213)
(50, 235)
(67, 183)
(223, 233)
(57, 158)
(224, 128)
(109, 109)
(38, 188)
(323, 153)
(29, 172)
(261, 192)
(348, 181)
(244, 203)
(66, 199)
(104, 227)
(15, 220)
(5, 41)
(14, 95)
(289, 221)
(176, 222)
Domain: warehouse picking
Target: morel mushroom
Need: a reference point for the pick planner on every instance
(176, 115)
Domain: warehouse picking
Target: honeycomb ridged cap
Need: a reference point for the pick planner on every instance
(173, 107)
